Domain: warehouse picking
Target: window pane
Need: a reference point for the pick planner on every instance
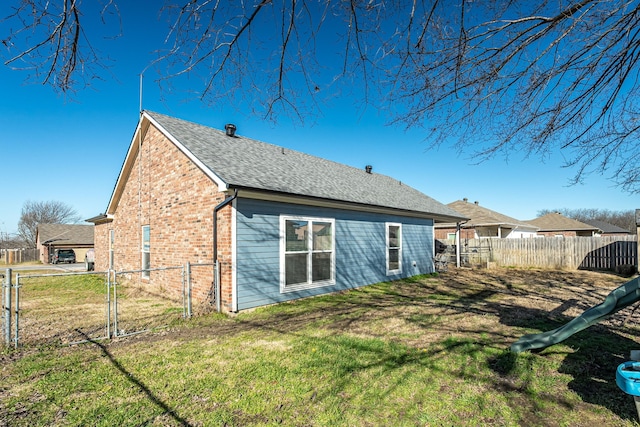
(146, 264)
(321, 266)
(295, 268)
(322, 236)
(394, 259)
(296, 235)
(146, 261)
(145, 238)
(394, 236)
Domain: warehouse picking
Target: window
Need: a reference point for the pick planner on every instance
(451, 236)
(146, 246)
(307, 255)
(394, 248)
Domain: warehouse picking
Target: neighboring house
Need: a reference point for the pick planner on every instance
(50, 237)
(282, 224)
(557, 225)
(607, 229)
(483, 222)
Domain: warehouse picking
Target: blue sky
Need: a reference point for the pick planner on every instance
(71, 150)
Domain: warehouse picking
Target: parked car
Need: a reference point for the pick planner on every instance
(89, 260)
(63, 255)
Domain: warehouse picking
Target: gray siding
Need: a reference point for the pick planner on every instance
(360, 249)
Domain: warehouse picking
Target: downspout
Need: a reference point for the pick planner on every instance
(216, 272)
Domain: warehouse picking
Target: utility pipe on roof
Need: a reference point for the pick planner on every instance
(216, 268)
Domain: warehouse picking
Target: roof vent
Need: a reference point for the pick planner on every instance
(465, 200)
(476, 203)
(230, 128)
(368, 168)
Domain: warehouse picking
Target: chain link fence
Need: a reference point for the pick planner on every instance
(70, 308)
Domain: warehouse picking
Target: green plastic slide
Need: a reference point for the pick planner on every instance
(618, 299)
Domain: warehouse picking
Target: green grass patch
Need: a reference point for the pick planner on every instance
(388, 354)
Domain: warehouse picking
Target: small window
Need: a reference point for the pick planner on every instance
(394, 248)
(307, 253)
(451, 236)
(146, 249)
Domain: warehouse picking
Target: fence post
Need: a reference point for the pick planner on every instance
(6, 286)
(188, 272)
(16, 310)
(114, 285)
(108, 301)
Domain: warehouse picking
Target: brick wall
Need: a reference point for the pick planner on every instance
(562, 233)
(443, 233)
(170, 194)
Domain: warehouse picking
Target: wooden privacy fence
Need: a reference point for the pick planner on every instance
(593, 253)
(16, 256)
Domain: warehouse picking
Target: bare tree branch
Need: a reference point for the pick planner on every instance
(545, 78)
(35, 213)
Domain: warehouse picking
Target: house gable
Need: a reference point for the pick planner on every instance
(484, 222)
(164, 190)
(556, 224)
(145, 123)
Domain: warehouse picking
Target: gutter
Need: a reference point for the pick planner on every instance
(216, 271)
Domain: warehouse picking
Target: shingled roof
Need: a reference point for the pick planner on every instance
(238, 162)
(557, 222)
(607, 228)
(479, 216)
(67, 234)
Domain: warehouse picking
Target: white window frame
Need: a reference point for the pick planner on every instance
(145, 250)
(389, 247)
(309, 284)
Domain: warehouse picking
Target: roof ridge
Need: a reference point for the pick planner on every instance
(244, 162)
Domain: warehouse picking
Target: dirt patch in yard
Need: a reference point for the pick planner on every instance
(501, 303)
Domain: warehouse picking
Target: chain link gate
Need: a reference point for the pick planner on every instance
(61, 308)
(138, 308)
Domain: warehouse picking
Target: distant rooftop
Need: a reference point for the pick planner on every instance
(479, 216)
(558, 222)
(607, 228)
(68, 234)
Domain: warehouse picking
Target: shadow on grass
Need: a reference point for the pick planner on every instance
(592, 365)
(431, 306)
(598, 350)
(166, 409)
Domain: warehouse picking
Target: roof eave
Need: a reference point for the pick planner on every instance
(100, 219)
(269, 195)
